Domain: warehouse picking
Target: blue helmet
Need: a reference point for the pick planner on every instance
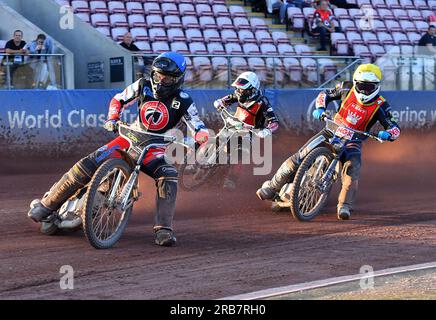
(173, 66)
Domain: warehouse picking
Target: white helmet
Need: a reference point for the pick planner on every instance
(247, 88)
(366, 82)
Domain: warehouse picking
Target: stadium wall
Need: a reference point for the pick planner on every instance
(89, 46)
(58, 121)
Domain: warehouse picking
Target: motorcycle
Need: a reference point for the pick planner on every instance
(307, 194)
(103, 207)
(194, 173)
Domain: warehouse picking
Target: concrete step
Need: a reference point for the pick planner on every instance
(255, 14)
(294, 37)
(234, 2)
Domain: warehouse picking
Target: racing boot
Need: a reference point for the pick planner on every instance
(344, 213)
(266, 192)
(165, 205)
(38, 211)
(285, 174)
(78, 176)
(164, 237)
(350, 183)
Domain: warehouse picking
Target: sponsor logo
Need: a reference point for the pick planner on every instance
(353, 118)
(184, 95)
(132, 137)
(243, 115)
(345, 133)
(395, 132)
(154, 115)
(320, 100)
(147, 91)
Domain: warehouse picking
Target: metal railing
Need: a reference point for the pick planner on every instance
(408, 72)
(275, 71)
(32, 71)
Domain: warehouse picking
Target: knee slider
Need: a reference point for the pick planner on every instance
(166, 181)
(167, 188)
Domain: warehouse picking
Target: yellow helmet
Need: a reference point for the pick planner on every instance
(366, 82)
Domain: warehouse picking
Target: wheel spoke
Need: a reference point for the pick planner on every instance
(106, 220)
(309, 195)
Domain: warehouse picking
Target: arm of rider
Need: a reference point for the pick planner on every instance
(111, 125)
(219, 105)
(329, 95)
(119, 102)
(225, 102)
(318, 113)
(391, 130)
(195, 124)
(123, 100)
(270, 118)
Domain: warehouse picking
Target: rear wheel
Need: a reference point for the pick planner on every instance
(103, 222)
(307, 198)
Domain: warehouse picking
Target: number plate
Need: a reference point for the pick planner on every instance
(345, 133)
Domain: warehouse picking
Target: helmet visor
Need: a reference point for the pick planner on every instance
(164, 79)
(365, 87)
(242, 84)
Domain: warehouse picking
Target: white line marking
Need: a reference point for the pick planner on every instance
(267, 293)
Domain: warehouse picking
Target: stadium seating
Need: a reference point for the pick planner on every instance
(400, 22)
(212, 27)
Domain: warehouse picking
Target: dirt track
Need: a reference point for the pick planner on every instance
(229, 243)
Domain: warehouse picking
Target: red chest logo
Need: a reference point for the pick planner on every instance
(355, 115)
(154, 115)
(245, 116)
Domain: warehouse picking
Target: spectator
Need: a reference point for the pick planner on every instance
(323, 23)
(427, 43)
(432, 18)
(257, 5)
(292, 3)
(42, 66)
(140, 66)
(128, 43)
(15, 47)
(273, 5)
(343, 4)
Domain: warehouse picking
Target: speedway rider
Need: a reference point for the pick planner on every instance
(362, 106)
(253, 109)
(162, 104)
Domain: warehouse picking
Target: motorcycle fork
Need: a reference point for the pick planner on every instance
(131, 185)
(328, 175)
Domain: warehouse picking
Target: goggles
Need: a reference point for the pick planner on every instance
(164, 80)
(366, 87)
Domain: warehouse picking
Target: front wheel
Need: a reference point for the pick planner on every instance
(193, 174)
(307, 198)
(103, 222)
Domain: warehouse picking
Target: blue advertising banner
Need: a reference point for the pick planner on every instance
(31, 118)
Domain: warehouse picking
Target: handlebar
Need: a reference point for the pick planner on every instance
(226, 115)
(325, 118)
(170, 139)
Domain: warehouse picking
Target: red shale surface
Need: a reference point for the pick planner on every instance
(229, 242)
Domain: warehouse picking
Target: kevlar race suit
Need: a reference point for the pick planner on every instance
(154, 116)
(260, 115)
(355, 115)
